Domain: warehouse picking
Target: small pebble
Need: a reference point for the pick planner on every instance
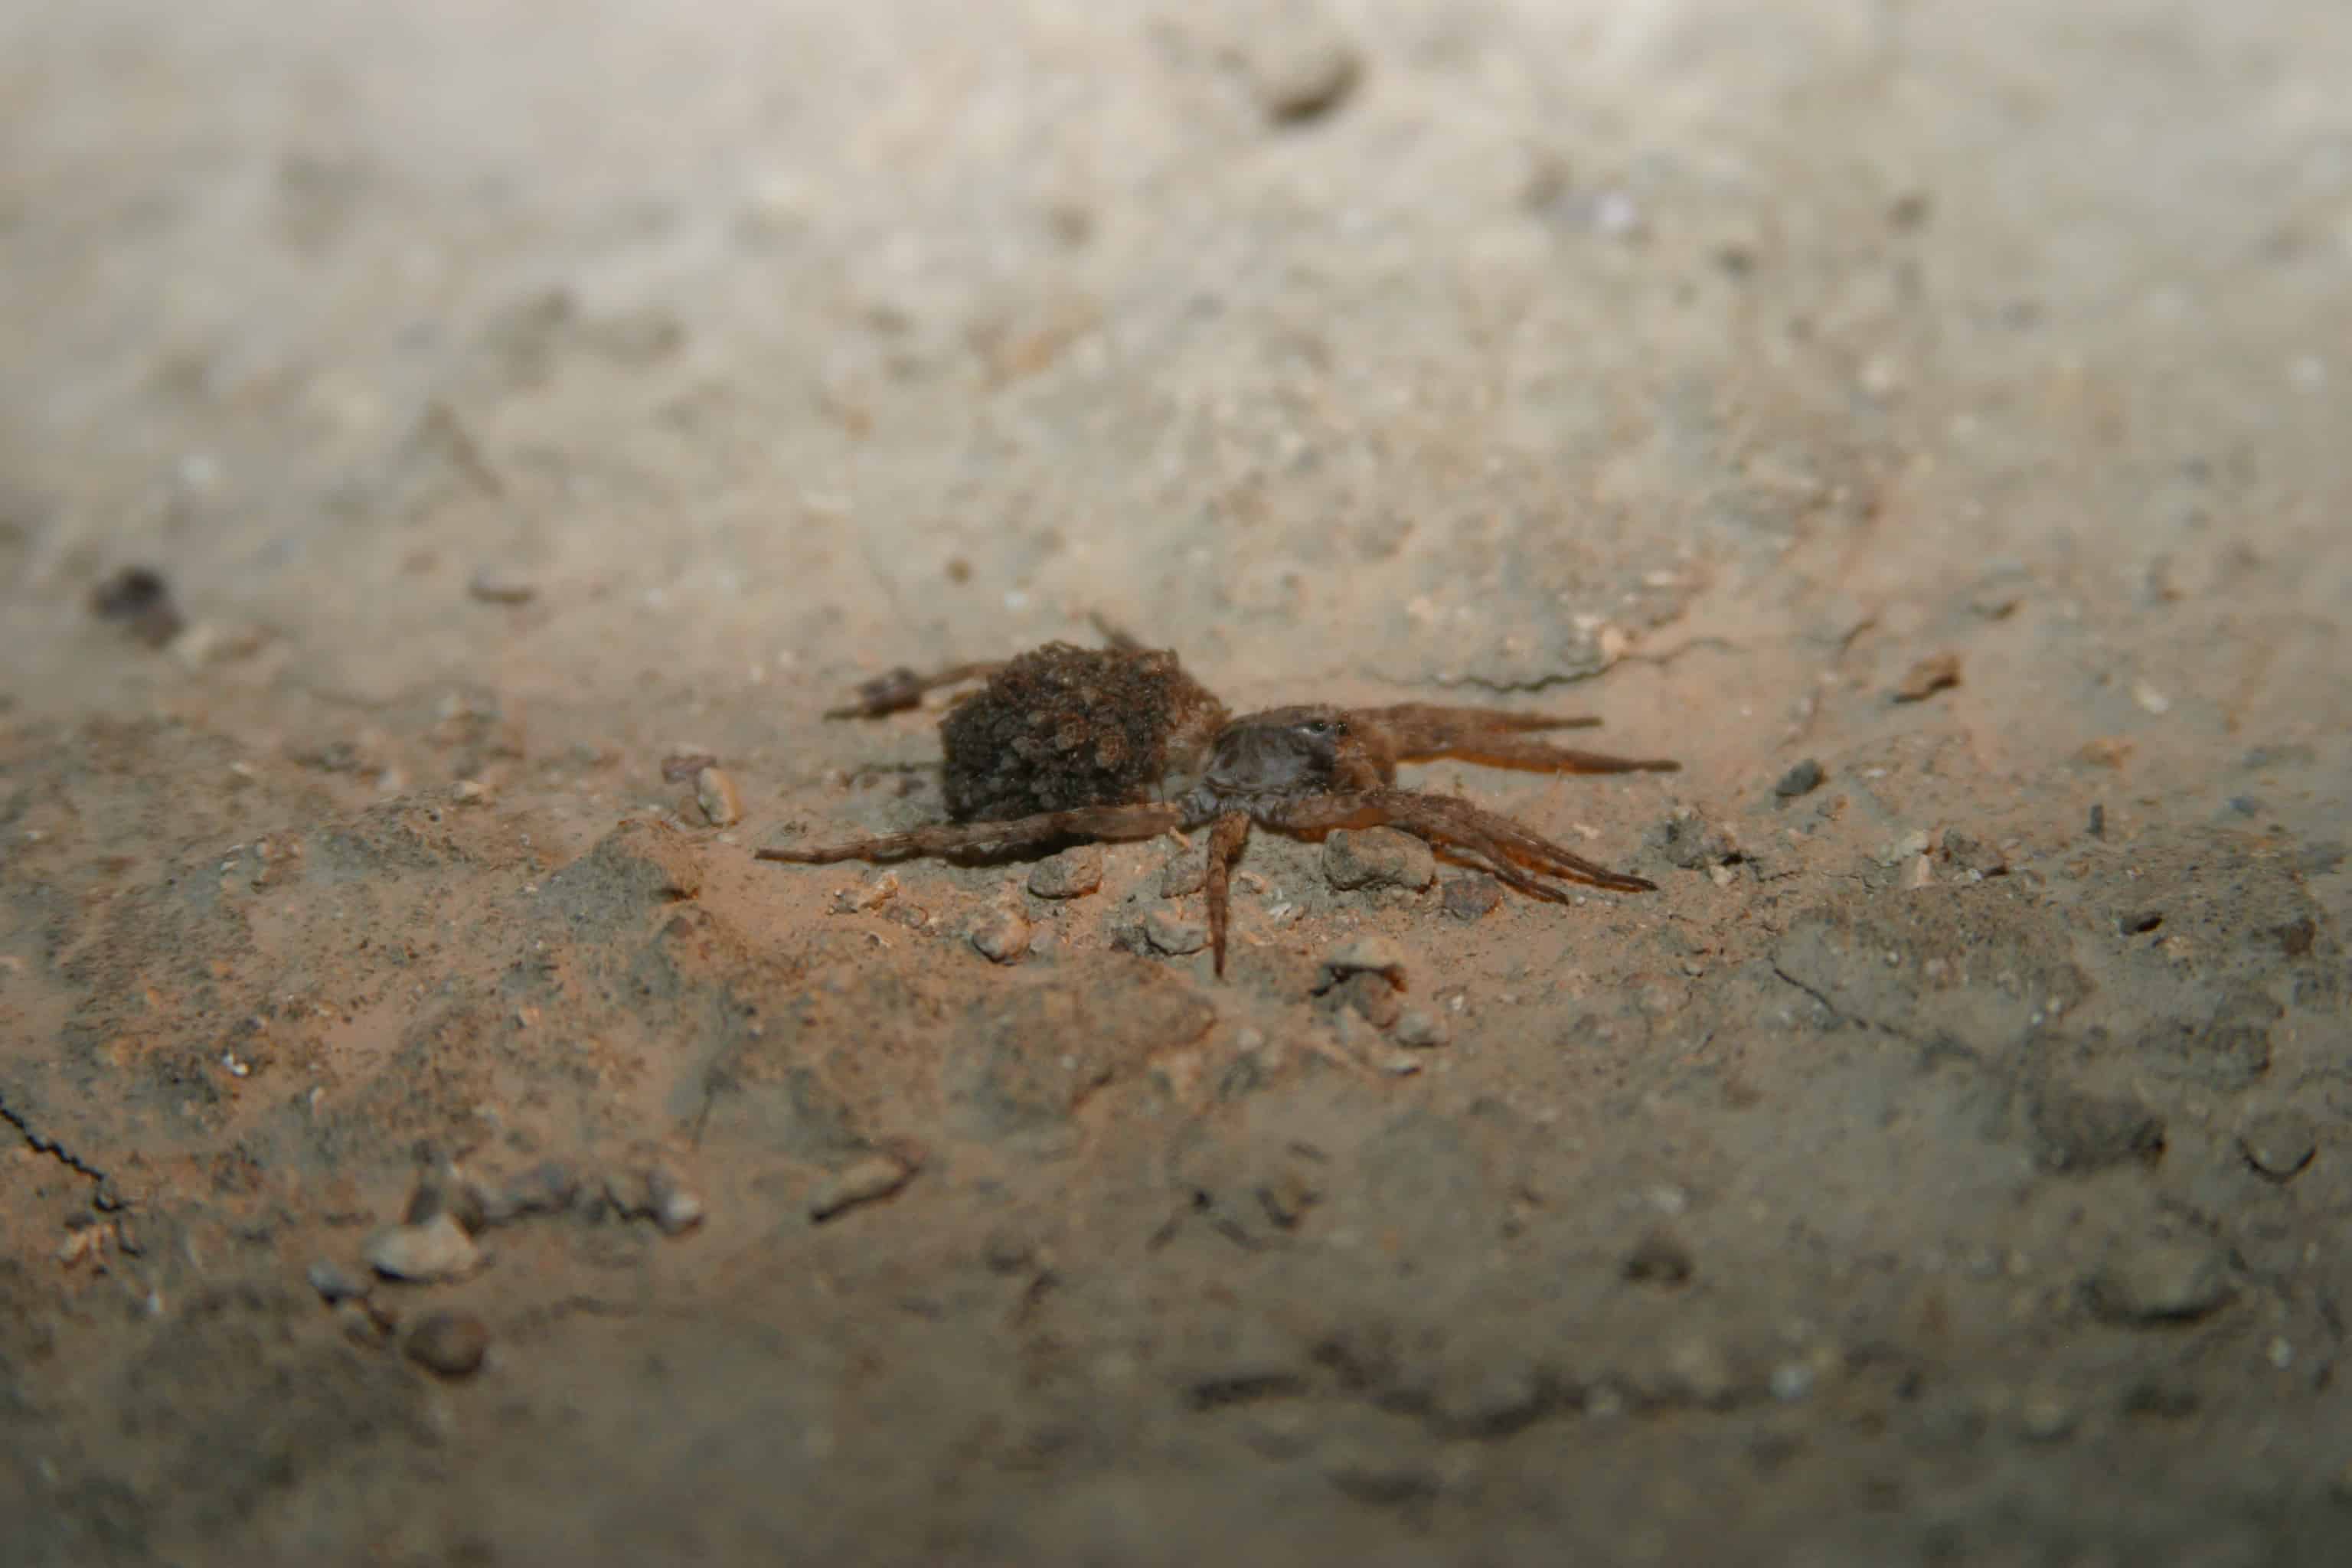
(1377, 858)
(437, 1249)
(1301, 66)
(1928, 676)
(1071, 874)
(1802, 779)
(871, 894)
(1184, 874)
(444, 1189)
(1008, 1251)
(1616, 216)
(1370, 954)
(332, 1282)
(1368, 995)
(1896, 851)
(1288, 1196)
(205, 642)
(1997, 602)
(1689, 841)
(2162, 1282)
(493, 585)
(1003, 935)
(657, 1195)
(1495, 1401)
(1420, 1029)
(2046, 1417)
(1659, 1258)
(140, 599)
(450, 1344)
(362, 1324)
(872, 1178)
(1472, 897)
(715, 792)
(2076, 1130)
(1699, 1370)
(547, 1187)
(677, 1210)
(2279, 1145)
(1910, 209)
(1171, 933)
(1967, 855)
(1382, 1478)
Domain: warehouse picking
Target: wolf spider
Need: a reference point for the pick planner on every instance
(1068, 743)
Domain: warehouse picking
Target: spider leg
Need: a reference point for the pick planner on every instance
(1226, 836)
(1509, 850)
(965, 837)
(1497, 738)
(1113, 633)
(903, 688)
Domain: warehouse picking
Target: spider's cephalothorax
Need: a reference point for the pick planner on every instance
(1068, 743)
(1289, 752)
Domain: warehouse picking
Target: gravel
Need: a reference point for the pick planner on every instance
(436, 1250)
(450, 1344)
(1377, 858)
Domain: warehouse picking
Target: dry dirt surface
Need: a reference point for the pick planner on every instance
(432, 1138)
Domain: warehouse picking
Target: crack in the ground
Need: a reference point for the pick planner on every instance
(1842, 1015)
(1828, 1006)
(49, 1146)
(1546, 679)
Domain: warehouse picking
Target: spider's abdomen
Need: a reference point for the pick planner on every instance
(1063, 726)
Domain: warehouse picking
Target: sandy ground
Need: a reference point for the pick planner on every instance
(1951, 1163)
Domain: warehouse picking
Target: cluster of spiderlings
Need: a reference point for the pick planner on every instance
(1063, 726)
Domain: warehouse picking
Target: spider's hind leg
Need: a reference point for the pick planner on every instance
(896, 691)
(903, 688)
(1092, 822)
(1226, 836)
(1513, 853)
(1497, 738)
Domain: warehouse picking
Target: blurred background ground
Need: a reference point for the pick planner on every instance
(1949, 1164)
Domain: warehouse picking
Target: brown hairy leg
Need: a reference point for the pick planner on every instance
(1492, 736)
(1502, 844)
(1226, 836)
(1114, 635)
(1092, 822)
(903, 688)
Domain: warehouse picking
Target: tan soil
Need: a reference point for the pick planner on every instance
(1951, 1163)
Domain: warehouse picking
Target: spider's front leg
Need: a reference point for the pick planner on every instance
(1494, 737)
(1509, 849)
(1090, 822)
(1226, 836)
